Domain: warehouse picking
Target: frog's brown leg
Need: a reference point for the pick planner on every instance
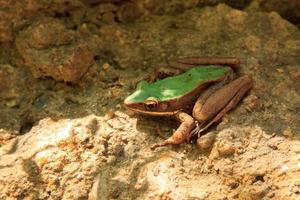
(178, 66)
(163, 72)
(219, 103)
(209, 60)
(182, 132)
(203, 98)
(184, 64)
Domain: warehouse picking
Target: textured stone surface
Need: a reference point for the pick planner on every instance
(101, 158)
(73, 141)
(49, 49)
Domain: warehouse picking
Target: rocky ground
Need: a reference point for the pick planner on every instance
(66, 66)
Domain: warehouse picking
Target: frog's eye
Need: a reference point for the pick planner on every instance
(151, 104)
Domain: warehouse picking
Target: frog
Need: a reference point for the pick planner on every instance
(197, 91)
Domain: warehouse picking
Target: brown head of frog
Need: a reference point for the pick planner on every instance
(207, 83)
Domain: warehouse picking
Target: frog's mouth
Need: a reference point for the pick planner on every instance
(140, 108)
(153, 113)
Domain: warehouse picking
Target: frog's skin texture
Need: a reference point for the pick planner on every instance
(210, 89)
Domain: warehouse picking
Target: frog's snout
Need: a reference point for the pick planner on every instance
(127, 102)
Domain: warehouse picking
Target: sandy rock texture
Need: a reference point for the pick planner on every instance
(66, 67)
(58, 159)
(107, 158)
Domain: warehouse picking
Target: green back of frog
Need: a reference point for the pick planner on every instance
(177, 86)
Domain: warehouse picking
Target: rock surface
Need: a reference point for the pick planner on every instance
(75, 141)
(100, 158)
(62, 56)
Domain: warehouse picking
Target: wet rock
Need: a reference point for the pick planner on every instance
(62, 56)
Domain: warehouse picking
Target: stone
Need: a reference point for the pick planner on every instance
(62, 56)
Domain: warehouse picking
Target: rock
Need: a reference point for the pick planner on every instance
(13, 96)
(206, 141)
(289, 11)
(56, 153)
(10, 85)
(7, 142)
(257, 191)
(8, 17)
(129, 12)
(63, 150)
(288, 132)
(62, 56)
(15, 15)
(225, 148)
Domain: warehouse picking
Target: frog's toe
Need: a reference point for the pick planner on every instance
(164, 143)
(193, 133)
(196, 131)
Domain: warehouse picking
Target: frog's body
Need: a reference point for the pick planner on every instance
(176, 91)
(172, 96)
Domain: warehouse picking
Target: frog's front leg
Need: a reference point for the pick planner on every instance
(211, 109)
(183, 131)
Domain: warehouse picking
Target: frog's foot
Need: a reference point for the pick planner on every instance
(182, 133)
(173, 140)
(164, 143)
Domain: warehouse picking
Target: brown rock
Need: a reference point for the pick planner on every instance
(62, 56)
(10, 85)
(129, 12)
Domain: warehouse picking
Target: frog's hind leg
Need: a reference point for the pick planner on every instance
(186, 63)
(179, 66)
(219, 103)
(163, 72)
(209, 60)
(204, 96)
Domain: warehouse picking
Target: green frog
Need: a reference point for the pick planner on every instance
(197, 91)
